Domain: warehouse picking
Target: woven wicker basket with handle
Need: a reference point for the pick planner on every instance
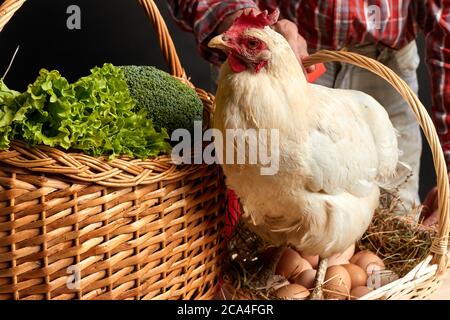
(77, 227)
(418, 282)
(30, 267)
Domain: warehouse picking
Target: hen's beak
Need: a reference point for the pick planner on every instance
(219, 42)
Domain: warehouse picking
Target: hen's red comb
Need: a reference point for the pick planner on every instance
(250, 20)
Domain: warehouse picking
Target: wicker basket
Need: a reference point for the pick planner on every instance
(425, 277)
(420, 281)
(126, 229)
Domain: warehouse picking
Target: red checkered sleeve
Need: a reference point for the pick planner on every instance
(436, 25)
(202, 17)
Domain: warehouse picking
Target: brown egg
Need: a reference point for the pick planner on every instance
(306, 265)
(306, 278)
(291, 264)
(313, 260)
(357, 275)
(357, 255)
(337, 283)
(367, 258)
(358, 292)
(292, 292)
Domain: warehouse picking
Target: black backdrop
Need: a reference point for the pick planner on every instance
(115, 31)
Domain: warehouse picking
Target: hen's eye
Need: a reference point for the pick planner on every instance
(253, 44)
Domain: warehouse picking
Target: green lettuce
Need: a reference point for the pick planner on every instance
(96, 114)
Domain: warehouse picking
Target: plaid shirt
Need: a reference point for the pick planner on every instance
(327, 24)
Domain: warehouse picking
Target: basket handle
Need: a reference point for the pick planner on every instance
(9, 7)
(7, 10)
(165, 40)
(440, 243)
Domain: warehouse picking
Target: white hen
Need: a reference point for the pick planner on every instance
(335, 146)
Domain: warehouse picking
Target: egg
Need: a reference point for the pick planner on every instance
(368, 258)
(313, 260)
(358, 292)
(379, 277)
(306, 278)
(358, 276)
(337, 283)
(291, 264)
(306, 265)
(292, 292)
(357, 255)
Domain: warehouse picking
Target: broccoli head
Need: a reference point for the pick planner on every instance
(170, 103)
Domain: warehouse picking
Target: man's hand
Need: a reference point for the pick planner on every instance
(289, 30)
(285, 27)
(430, 213)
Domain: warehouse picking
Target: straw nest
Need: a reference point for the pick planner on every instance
(397, 239)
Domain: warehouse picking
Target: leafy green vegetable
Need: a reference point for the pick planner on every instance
(95, 114)
(8, 109)
(170, 103)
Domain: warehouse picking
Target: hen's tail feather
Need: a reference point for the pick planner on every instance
(393, 182)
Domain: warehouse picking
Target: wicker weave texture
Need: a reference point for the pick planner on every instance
(78, 227)
(150, 241)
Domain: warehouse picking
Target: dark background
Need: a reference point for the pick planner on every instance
(119, 32)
